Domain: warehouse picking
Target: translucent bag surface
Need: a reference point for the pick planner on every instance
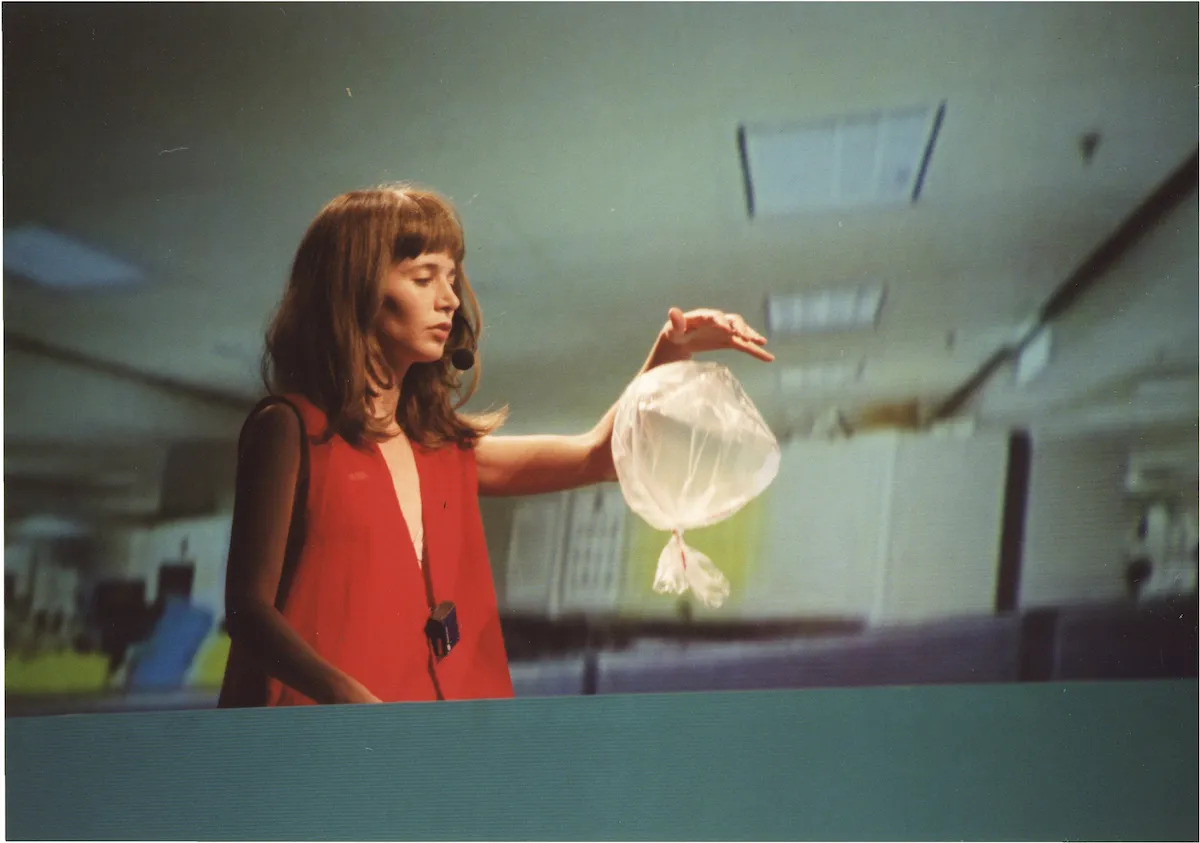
(690, 450)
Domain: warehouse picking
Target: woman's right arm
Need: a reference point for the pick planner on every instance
(268, 469)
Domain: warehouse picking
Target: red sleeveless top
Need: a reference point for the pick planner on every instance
(357, 593)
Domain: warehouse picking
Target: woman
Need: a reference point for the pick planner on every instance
(356, 524)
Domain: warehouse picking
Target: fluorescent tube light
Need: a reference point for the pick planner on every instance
(54, 260)
(824, 311)
(814, 377)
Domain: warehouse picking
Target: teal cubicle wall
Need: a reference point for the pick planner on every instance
(1099, 761)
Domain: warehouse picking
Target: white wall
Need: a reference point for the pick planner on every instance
(947, 499)
(1077, 522)
(885, 528)
(207, 548)
(826, 527)
(137, 552)
(528, 576)
(890, 528)
(898, 528)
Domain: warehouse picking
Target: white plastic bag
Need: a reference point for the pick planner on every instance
(690, 450)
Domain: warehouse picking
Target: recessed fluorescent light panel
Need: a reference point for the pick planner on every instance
(819, 377)
(854, 308)
(55, 260)
(866, 159)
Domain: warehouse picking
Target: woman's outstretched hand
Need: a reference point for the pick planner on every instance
(352, 691)
(714, 330)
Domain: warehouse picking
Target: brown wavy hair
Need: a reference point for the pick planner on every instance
(322, 343)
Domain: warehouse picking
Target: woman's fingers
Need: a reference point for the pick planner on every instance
(731, 330)
(753, 335)
(753, 349)
(742, 329)
(678, 320)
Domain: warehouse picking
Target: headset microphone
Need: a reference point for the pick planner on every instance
(462, 359)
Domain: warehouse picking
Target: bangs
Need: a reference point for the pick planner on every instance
(426, 224)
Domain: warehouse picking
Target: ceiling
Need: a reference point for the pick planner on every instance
(591, 149)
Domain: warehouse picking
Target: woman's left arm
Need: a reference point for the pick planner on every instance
(530, 465)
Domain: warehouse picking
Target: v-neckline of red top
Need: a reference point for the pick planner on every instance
(420, 555)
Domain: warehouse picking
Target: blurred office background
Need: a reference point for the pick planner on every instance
(970, 231)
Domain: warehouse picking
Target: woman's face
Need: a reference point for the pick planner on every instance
(419, 300)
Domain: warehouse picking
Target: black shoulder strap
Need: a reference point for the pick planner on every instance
(296, 527)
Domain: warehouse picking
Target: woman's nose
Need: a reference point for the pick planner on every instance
(449, 299)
